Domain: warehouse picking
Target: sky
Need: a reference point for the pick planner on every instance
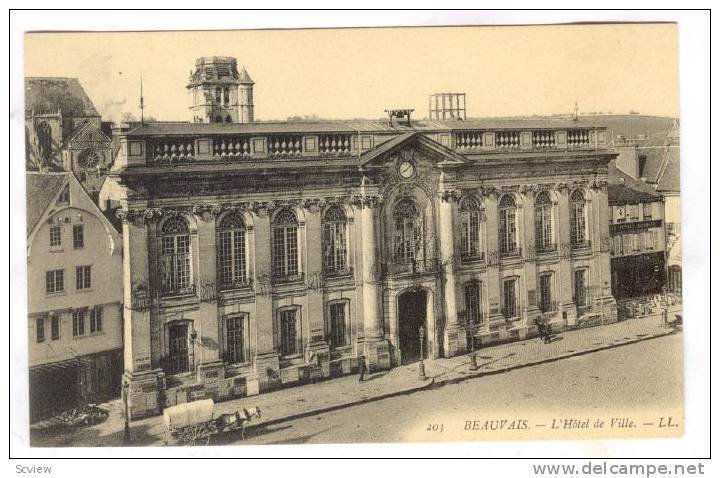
(359, 73)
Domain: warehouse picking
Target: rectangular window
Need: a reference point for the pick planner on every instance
(285, 251)
(546, 302)
(235, 340)
(55, 236)
(96, 320)
(40, 329)
(288, 333)
(580, 288)
(82, 278)
(508, 243)
(627, 243)
(509, 299)
(633, 212)
(647, 211)
(473, 303)
(78, 236)
(635, 242)
(78, 318)
(618, 242)
(55, 327)
(338, 325)
(55, 281)
(178, 350)
(470, 234)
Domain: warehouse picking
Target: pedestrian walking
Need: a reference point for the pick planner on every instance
(546, 331)
(540, 324)
(362, 368)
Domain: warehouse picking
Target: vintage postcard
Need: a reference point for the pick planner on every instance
(353, 235)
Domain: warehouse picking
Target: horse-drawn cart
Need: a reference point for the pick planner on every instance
(194, 423)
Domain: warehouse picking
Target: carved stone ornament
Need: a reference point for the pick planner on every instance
(451, 195)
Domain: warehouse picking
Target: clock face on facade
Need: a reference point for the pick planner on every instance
(406, 170)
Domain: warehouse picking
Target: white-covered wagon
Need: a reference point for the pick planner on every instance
(193, 423)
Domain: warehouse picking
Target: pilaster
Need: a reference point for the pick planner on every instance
(454, 340)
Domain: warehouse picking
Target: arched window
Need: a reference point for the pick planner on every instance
(226, 96)
(175, 269)
(578, 237)
(409, 232)
(285, 245)
(507, 227)
(470, 233)
(231, 255)
(218, 96)
(543, 223)
(335, 241)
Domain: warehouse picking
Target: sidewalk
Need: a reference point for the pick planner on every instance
(291, 403)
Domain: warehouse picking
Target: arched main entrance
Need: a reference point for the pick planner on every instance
(412, 315)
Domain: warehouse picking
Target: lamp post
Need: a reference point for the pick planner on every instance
(193, 339)
(421, 365)
(473, 357)
(126, 389)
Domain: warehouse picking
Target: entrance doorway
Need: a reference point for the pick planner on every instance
(412, 314)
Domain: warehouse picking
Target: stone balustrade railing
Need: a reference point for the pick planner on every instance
(240, 147)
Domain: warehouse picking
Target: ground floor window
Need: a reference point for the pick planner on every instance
(289, 335)
(236, 339)
(510, 298)
(546, 293)
(40, 329)
(337, 325)
(580, 287)
(473, 303)
(178, 349)
(55, 327)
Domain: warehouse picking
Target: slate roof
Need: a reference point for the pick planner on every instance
(50, 94)
(623, 189)
(669, 176)
(244, 78)
(41, 189)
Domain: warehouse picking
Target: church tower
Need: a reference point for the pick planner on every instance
(219, 93)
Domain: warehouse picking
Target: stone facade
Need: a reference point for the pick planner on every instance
(410, 241)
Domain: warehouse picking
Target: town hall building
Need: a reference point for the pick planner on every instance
(259, 253)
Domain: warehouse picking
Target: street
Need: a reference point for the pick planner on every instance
(636, 378)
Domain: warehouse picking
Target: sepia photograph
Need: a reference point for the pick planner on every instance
(296, 236)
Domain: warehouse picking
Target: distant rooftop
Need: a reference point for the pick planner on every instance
(44, 95)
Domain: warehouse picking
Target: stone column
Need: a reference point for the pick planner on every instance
(566, 303)
(530, 304)
(375, 346)
(145, 383)
(454, 340)
(266, 363)
(315, 297)
(209, 363)
(493, 259)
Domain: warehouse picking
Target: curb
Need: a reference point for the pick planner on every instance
(451, 381)
(331, 408)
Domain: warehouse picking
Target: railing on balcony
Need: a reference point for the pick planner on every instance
(580, 245)
(507, 139)
(335, 144)
(284, 146)
(545, 248)
(338, 272)
(231, 148)
(417, 266)
(543, 139)
(472, 256)
(236, 284)
(282, 279)
(578, 137)
(173, 151)
(468, 141)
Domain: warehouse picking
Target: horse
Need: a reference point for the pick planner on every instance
(239, 419)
